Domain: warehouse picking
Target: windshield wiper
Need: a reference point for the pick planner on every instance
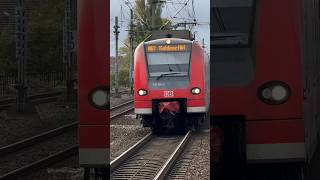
(168, 74)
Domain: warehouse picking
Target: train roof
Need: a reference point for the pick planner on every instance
(172, 41)
(181, 34)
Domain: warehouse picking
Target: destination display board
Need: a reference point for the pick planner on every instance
(167, 48)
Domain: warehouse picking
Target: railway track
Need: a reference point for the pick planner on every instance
(150, 158)
(46, 161)
(36, 99)
(14, 153)
(120, 92)
(194, 152)
(121, 109)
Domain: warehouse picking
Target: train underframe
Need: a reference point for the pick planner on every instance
(171, 116)
(228, 155)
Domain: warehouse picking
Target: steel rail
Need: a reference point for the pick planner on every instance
(125, 160)
(121, 113)
(121, 92)
(37, 138)
(45, 162)
(129, 152)
(172, 159)
(36, 98)
(121, 105)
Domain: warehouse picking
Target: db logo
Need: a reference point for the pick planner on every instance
(168, 93)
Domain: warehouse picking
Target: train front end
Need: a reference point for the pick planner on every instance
(170, 83)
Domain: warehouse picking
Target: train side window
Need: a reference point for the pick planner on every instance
(232, 22)
(233, 43)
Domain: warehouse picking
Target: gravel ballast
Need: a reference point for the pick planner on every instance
(124, 136)
(199, 167)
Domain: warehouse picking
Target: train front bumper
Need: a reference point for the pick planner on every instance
(193, 106)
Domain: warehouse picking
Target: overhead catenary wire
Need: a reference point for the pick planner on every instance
(183, 6)
(187, 16)
(186, 9)
(175, 11)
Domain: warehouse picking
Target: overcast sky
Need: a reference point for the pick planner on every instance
(202, 15)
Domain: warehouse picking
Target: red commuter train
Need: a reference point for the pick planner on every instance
(93, 86)
(171, 83)
(265, 83)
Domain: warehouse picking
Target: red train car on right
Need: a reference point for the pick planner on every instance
(265, 82)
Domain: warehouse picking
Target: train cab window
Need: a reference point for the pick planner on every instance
(168, 64)
(168, 69)
(233, 42)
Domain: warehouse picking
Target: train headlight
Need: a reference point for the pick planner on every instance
(142, 92)
(274, 93)
(99, 98)
(195, 90)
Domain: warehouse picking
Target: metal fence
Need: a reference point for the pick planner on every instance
(34, 80)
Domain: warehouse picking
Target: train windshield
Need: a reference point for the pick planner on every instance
(168, 65)
(232, 22)
(163, 64)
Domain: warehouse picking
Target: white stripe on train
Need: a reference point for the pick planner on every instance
(200, 109)
(94, 157)
(279, 152)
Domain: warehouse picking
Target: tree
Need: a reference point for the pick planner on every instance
(142, 29)
(143, 20)
(44, 37)
(124, 66)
